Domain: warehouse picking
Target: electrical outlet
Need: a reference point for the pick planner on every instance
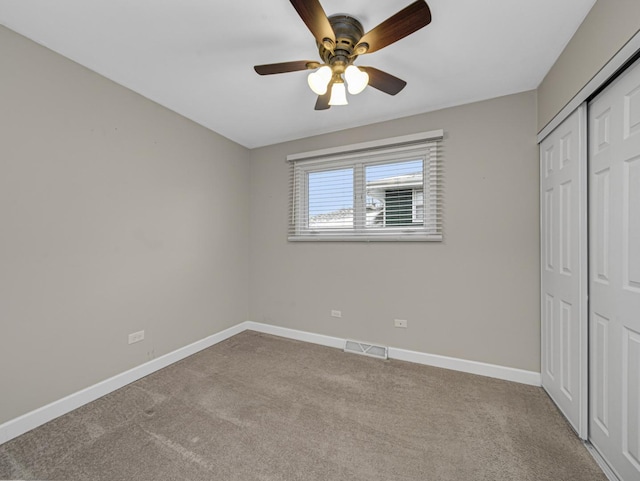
(400, 323)
(336, 313)
(136, 337)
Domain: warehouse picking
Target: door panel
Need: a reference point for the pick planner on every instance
(630, 227)
(600, 226)
(631, 398)
(567, 350)
(563, 272)
(600, 373)
(566, 246)
(614, 206)
(549, 348)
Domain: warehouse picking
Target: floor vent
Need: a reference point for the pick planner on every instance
(366, 349)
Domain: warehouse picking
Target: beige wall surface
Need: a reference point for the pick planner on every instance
(474, 296)
(116, 215)
(607, 28)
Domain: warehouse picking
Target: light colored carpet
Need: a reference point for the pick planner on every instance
(259, 407)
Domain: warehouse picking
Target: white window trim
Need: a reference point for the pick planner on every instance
(422, 145)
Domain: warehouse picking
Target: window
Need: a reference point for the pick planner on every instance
(383, 190)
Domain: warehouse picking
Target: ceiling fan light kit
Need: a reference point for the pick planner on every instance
(340, 40)
(338, 94)
(319, 80)
(357, 80)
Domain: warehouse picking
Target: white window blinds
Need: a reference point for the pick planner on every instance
(383, 190)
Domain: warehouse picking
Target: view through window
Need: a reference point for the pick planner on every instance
(394, 196)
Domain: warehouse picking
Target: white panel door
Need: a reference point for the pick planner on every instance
(614, 308)
(563, 227)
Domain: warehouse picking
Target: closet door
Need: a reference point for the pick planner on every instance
(614, 213)
(563, 228)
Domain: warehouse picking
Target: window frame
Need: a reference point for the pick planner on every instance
(423, 146)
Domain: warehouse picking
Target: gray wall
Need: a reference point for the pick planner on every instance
(474, 296)
(607, 28)
(116, 215)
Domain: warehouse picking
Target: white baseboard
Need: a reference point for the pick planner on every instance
(474, 367)
(20, 425)
(310, 337)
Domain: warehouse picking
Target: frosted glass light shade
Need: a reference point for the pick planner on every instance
(338, 94)
(357, 80)
(319, 80)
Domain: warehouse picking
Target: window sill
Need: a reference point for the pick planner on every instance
(366, 238)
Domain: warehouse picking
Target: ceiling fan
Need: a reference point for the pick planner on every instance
(341, 39)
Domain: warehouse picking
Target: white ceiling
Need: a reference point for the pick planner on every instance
(196, 57)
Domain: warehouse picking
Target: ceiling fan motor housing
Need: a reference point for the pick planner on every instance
(348, 32)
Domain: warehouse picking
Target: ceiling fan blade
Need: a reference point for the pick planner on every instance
(323, 100)
(284, 67)
(383, 81)
(403, 23)
(312, 14)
